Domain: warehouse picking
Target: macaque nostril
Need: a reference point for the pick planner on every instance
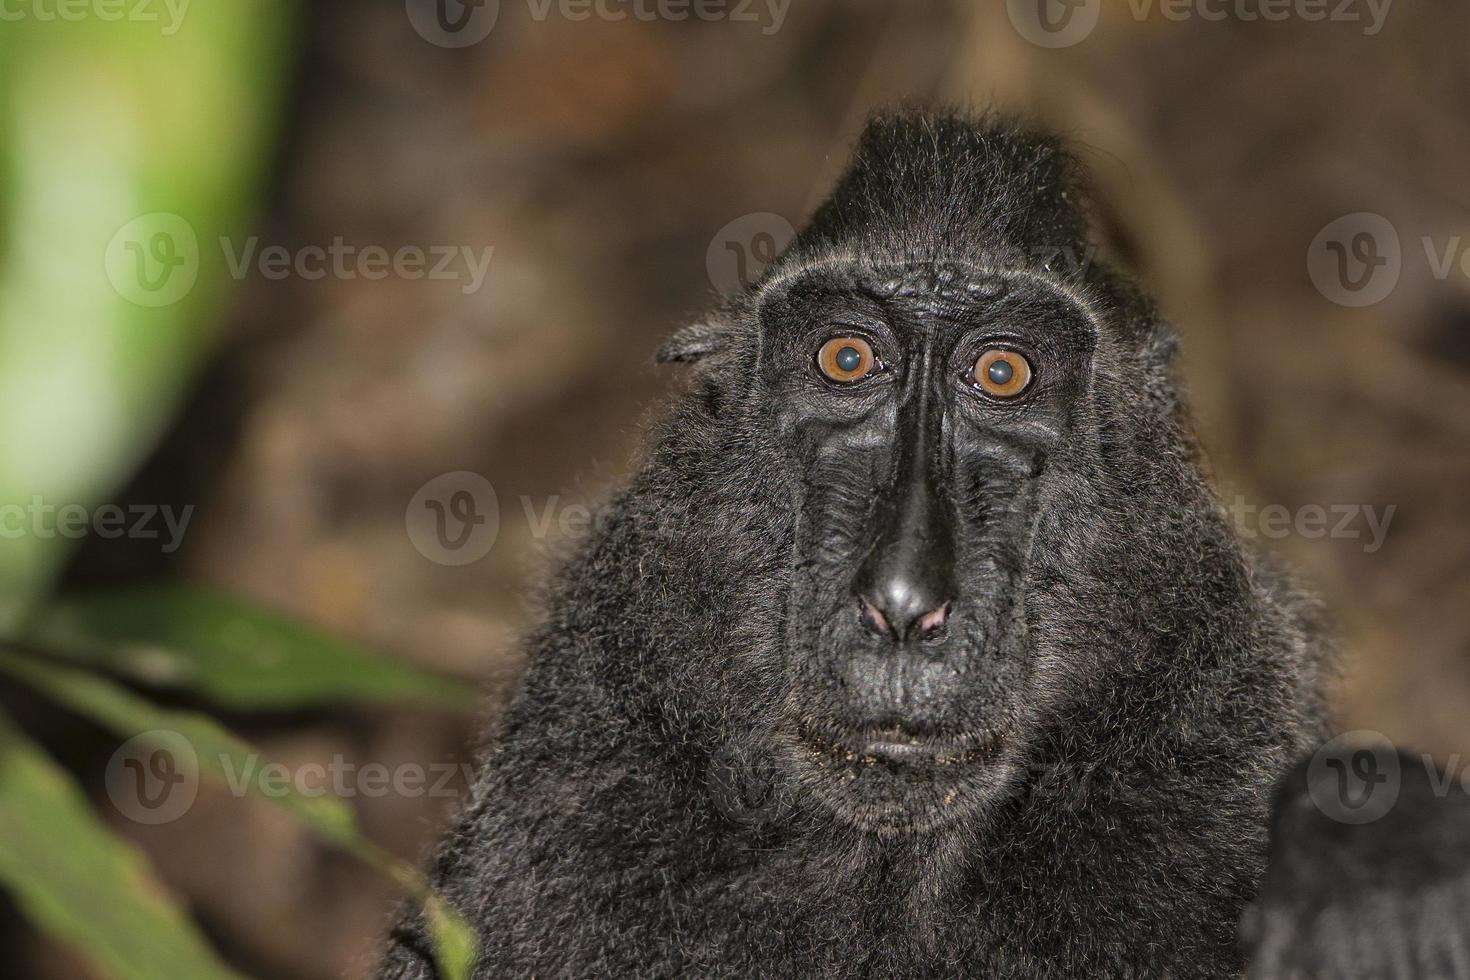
(874, 620)
(894, 622)
(932, 622)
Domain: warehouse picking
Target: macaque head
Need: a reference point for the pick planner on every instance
(926, 389)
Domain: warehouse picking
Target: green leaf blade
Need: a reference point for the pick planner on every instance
(77, 882)
(454, 940)
(228, 652)
(216, 752)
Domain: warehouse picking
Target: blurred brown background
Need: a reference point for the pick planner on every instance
(601, 159)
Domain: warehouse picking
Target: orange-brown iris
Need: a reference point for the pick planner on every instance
(1002, 373)
(846, 359)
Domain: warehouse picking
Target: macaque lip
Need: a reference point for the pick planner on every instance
(894, 746)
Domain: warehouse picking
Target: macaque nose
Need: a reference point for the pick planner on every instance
(905, 586)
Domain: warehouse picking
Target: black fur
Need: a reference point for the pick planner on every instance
(1369, 873)
(674, 792)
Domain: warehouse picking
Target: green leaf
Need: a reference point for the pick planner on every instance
(227, 651)
(77, 882)
(454, 940)
(217, 752)
(105, 126)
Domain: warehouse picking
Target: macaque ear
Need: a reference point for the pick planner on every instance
(694, 342)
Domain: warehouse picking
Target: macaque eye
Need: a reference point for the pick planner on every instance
(846, 359)
(1001, 373)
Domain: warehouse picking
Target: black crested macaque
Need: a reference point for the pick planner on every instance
(919, 644)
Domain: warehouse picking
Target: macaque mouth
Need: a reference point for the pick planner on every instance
(894, 746)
